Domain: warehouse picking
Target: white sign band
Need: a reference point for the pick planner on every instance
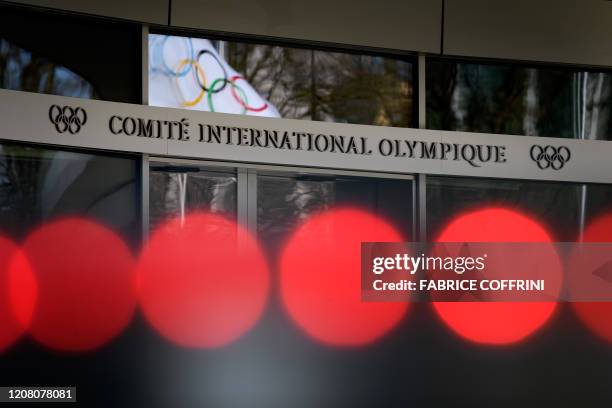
(63, 121)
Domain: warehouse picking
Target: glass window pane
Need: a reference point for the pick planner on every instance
(277, 81)
(563, 208)
(25, 71)
(556, 205)
(521, 100)
(176, 190)
(38, 183)
(69, 55)
(284, 202)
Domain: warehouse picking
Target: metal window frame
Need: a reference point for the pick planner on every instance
(144, 158)
(421, 183)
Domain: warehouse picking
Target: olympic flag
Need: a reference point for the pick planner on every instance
(189, 73)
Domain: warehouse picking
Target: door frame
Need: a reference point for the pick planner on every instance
(246, 194)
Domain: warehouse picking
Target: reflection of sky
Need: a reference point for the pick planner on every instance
(18, 61)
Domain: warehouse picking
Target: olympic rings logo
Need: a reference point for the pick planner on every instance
(550, 156)
(67, 118)
(207, 88)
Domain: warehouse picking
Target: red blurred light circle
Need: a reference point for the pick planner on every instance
(23, 289)
(494, 323)
(15, 299)
(85, 288)
(597, 316)
(203, 283)
(321, 278)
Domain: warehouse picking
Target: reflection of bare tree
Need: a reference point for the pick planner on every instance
(283, 203)
(519, 100)
(19, 186)
(215, 192)
(319, 85)
(222, 193)
(592, 94)
(598, 106)
(308, 197)
(531, 103)
(440, 91)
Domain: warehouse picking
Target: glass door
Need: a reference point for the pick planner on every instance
(178, 188)
(287, 199)
(276, 361)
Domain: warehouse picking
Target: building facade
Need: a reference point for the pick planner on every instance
(128, 114)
